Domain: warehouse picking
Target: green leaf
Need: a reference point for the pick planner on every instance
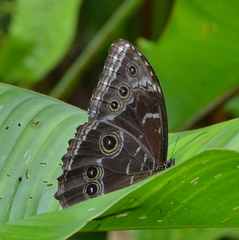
(39, 35)
(177, 197)
(187, 195)
(34, 134)
(55, 225)
(196, 58)
(232, 106)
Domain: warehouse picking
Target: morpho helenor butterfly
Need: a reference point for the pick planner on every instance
(126, 137)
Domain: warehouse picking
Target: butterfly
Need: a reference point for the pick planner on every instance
(126, 137)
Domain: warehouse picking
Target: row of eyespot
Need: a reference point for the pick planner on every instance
(92, 188)
(123, 90)
(109, 142)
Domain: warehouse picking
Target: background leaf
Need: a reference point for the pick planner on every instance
(197, 58)
(37, 39)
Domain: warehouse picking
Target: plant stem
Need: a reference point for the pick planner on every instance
(70, 80)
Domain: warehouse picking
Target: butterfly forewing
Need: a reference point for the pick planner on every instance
(125, 139)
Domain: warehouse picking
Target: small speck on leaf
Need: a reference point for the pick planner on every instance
(194, 180)
(26, 174)
(90, 209)
(122, 215)
(225, 220)
(36, 123)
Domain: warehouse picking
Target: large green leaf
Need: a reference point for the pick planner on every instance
(34, 134)
(39, 35)
(34, 131)
(187, 195)
(196, 58)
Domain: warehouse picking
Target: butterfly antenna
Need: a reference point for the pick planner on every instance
(171, 161)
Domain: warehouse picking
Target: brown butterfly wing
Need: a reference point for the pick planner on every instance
(125, 139)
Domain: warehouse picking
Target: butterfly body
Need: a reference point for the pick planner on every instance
(125, 138)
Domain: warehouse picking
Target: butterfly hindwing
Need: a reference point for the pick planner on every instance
(125, 138)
